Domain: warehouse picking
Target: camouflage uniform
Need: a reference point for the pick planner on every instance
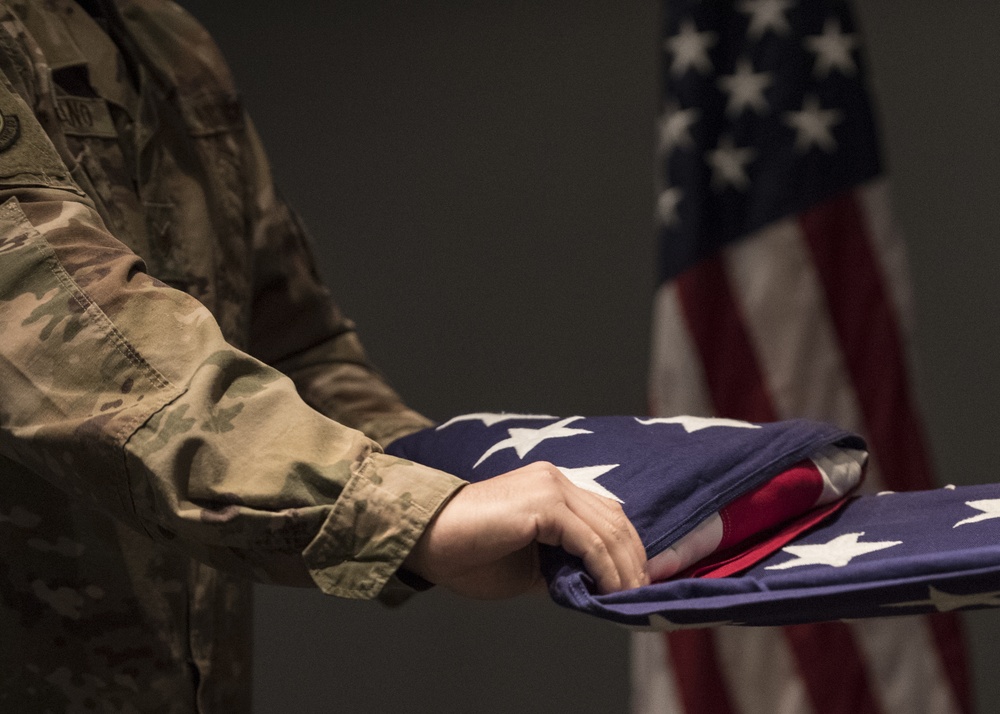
(182, 406)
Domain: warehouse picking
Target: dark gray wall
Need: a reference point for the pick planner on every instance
(478, 177)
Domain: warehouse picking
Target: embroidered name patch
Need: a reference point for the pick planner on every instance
(85, 116)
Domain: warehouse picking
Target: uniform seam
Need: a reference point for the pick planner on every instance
(94, 311)
(101, 320)
(56, 181)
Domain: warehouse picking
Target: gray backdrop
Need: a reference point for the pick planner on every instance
(479, 180)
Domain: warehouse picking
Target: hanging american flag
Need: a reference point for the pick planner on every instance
(784, 294)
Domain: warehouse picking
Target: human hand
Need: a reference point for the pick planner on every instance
(484, 542)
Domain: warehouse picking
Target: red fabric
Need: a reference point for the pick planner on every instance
(724, 563)
(734, 378)
(867, 329)
(817, 646)
(739, 390)
(696, 664)
(786, 496)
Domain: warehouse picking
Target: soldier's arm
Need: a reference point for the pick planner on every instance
(124, 393)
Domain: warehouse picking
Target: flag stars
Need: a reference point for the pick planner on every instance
(745, 89)
(524, 440)
(692, 424)
(814, 125)
(666, 206)
(489, 418)
(833, 50)
(729, 165)
(585, 477)
(947, 602)
(690, 49)
(766, 15)
(675, 128)
(837, 553)
(990, 508)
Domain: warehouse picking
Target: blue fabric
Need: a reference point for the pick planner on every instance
(904, 553)
(669, 479)
(936, 565)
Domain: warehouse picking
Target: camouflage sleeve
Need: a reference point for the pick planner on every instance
(298, 328)
(124, 393)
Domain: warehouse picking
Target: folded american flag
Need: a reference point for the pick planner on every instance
(716, 497)
(692, 487)
(759, 491)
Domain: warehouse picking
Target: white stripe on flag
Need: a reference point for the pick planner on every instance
(904, 666)
(890, 249)
(781, 300)
(875, 202)
(782, 303)
(653, 687)
(677, 380)
(761, 671)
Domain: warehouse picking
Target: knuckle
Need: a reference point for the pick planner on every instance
(619, 536)
(597, 546)
(619, 520)
(549, 475)
(548, 471)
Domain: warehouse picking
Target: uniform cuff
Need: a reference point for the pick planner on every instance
(377, 519)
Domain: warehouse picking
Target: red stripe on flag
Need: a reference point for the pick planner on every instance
(820, 647)
(698, 672)
(733, 376)
(739, 391)
(865, 321)
(868, 331)
(786, 496)
(949, 639)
